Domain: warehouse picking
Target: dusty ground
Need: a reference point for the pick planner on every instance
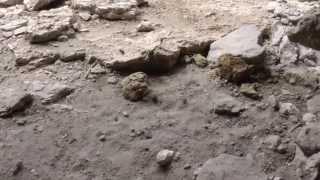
(61, 141)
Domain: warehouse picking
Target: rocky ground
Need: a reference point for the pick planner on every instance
(159, 90)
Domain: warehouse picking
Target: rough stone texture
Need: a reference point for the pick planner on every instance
(307, 31)
(135, 86)
(227, 105)
(145, 26)
(313, 105)
(228, 167)
(49, 92)
(10, 2)
(49, 25)
(232, 44)
(288, 51)
(309, 139)
(84, 4)
(309, 118)
(35, 5)
(234, 69)
(13, 100)
(36, 57)
(287, 109)
(250, 90)
(165, 157)
(13, 25)
(117, 10)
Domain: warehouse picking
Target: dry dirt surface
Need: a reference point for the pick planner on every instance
(63, 114)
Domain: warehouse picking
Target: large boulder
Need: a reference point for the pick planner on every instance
(243, 43)
(307, 32)
(49, 25)
(35, 5)
(229, 167)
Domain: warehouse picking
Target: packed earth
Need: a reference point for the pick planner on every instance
(159, 90)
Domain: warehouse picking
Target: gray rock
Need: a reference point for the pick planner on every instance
(135, 86)
(13, 100)
(165, 157)
(13, 25)
(250, 90)
(287, 109)
(313, 105)
(307, 32)
(73, 55)
(289, 51)
(25, 55)
(273, 102)
(49, 25)
(233, 44)
(200, 60)
(10, 2)
(49, 92)
(88, 5)
(117, 10)
(278, 31)
(309, 118)
(35, 5)
(228, 167)
(145, 26)
(309, 139)
(272, 142)
(227, 105)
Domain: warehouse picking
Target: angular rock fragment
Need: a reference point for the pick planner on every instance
(49, 25)
(34, 57)
(73, 55)
(117, 10)
(228, 167)
(50, 93)
(135, 87)
(145, 26)
(88, 5)
(308, 139)
(252, 52)
(287, 109)
(13, 25)
(227, 105)
(165, 157)
(13, 100)
(307, 32)
(5, 3)
(313, 105)
(200, 60)
(250, 90)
